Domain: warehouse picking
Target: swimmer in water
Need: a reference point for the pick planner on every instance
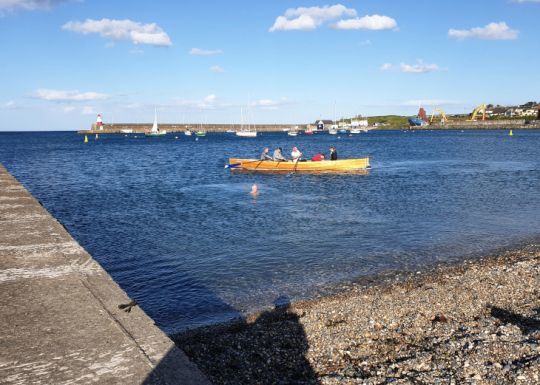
(254, 191)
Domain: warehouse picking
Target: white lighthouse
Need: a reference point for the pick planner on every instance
(99, 122)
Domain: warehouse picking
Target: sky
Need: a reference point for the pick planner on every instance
(63, 62)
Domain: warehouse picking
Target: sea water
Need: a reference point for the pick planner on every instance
(184, 237)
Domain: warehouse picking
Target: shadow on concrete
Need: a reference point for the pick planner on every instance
(270, 349)
(527, 325)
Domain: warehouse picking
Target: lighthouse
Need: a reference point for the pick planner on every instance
(99, 122)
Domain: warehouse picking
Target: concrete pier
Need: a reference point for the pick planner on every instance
(59, 316)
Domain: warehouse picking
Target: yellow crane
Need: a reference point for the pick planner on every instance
(444, 119)
(480, 109)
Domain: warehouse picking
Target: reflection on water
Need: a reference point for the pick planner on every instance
(177, 230)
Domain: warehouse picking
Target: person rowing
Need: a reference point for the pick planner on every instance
(265, 155)
(278, 156)
(296, 154)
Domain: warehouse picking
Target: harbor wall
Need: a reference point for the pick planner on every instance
(484, 125)
(60, 319)
(177, 127)
(118, 128)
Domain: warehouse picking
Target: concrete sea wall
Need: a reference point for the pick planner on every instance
(60, 321)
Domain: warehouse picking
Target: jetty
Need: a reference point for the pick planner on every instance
(62, 317)
(119, 128)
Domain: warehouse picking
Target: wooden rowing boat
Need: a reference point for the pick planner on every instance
(325, 166)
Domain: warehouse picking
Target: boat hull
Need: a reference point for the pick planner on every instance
(156, 134)
(325, 166)
(247, 134)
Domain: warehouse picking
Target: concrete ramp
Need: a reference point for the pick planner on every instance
(59, 316)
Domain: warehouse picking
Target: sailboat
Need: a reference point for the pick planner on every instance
(333, 129)
(155, 131)
(246, 133)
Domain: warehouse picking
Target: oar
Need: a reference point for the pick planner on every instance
(296, 165)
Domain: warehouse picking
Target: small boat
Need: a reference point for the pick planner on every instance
(309, 131)
(187, 132)
(155, 131)
(332, 131)
(342, 131)
(230, 131)
(126, 131)
(357, 130)
(246, 133)
(359, 165)
(292, 133)
(200, 133)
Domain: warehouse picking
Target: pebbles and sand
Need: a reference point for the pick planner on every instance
(476, 322)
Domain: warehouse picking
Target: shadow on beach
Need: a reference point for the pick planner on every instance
(270, 350)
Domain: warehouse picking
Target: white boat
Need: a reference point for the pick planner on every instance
(292, 133)
(230, 131)
(155, 131)
(359, 125)
(188, 132)
(245, 132)
(333, 130)
(126, 131)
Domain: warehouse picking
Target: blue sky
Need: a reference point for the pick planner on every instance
(290, 62)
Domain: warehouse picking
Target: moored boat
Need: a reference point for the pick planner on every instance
(246, 133)
(325, 166)
(155, 131)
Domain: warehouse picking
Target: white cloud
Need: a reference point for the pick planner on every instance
(418, 68)
(429, 103)
(87, 110)
(269, 104)
(209, 102)
(492, 31)
(9, 105)
(374, 22)
(138, 33)
(217, 69)
(27, 5)
(309, 18)
(205, 52)
(63, 96)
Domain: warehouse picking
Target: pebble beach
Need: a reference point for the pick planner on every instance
(473, 322)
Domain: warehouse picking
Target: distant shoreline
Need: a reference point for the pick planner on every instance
(139, 128)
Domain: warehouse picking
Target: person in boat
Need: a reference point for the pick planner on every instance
(333, 153)
(318, 157)
(296, 154)
(265, 155)
(278, 156)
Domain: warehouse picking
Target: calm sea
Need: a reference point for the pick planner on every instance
(183, 236)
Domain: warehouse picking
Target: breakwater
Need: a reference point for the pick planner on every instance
(181, 127)
(484, 125)
(60, 318)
